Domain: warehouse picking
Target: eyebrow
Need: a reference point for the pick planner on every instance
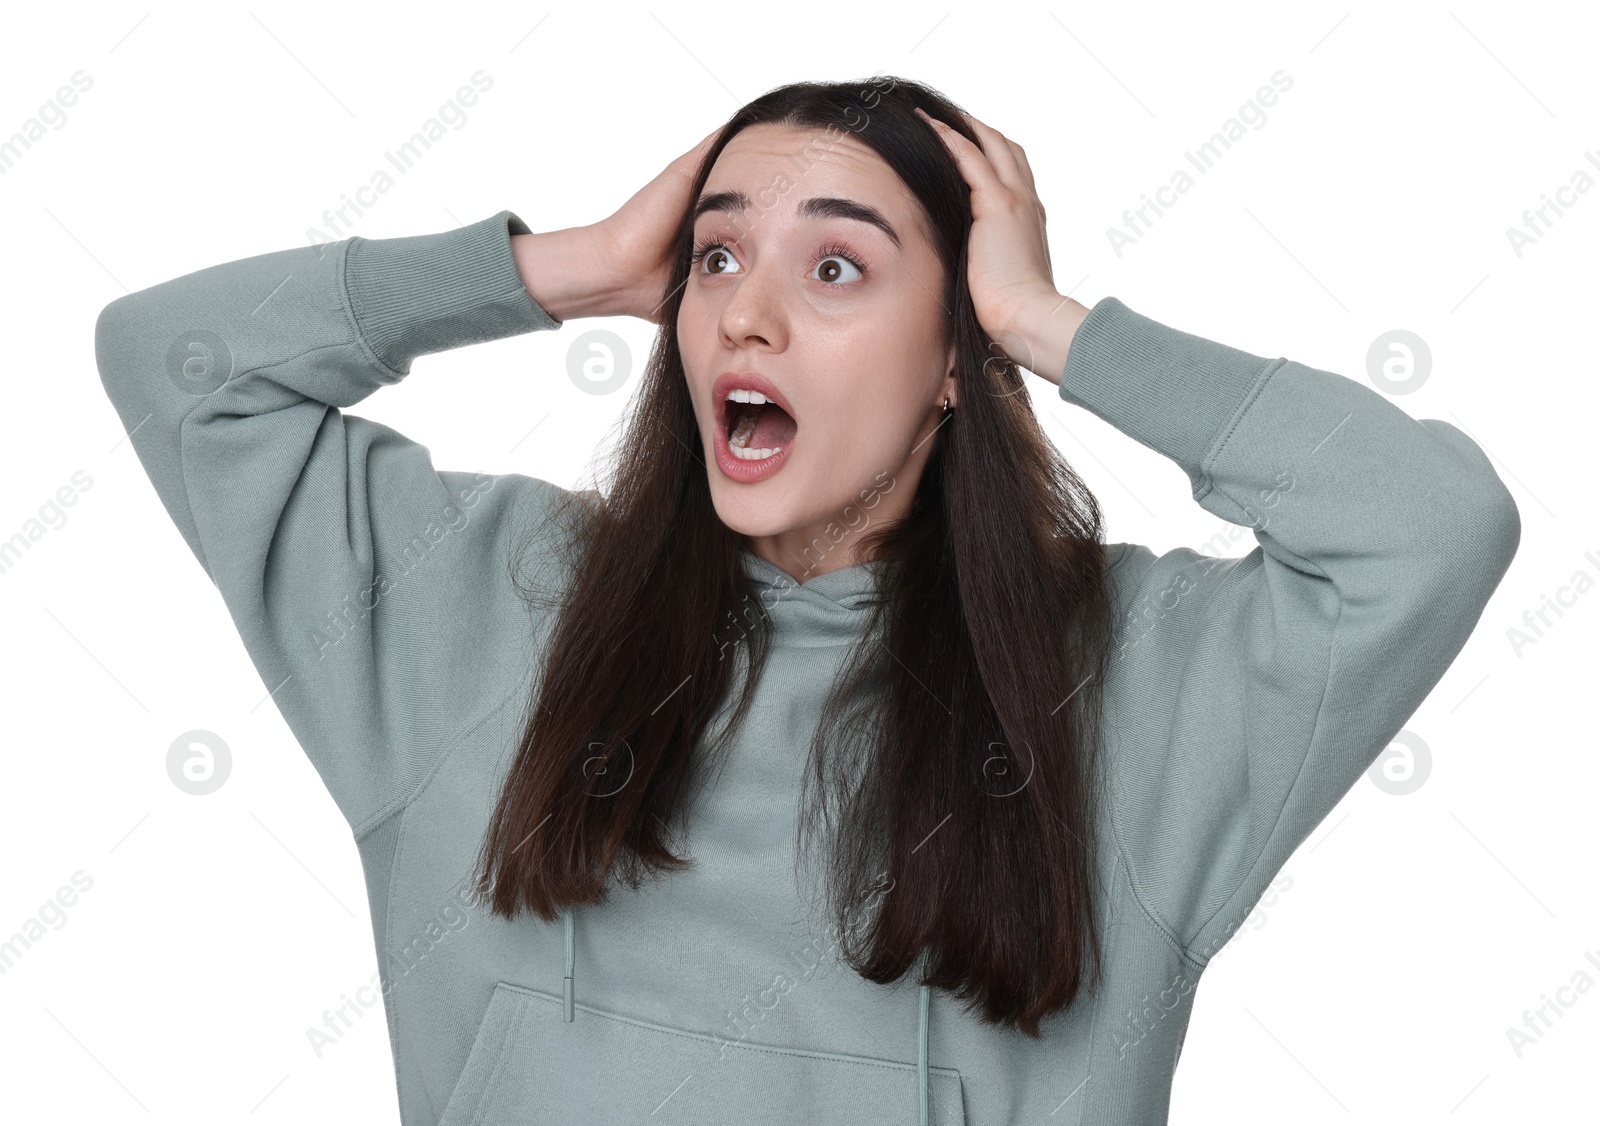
(817, 207)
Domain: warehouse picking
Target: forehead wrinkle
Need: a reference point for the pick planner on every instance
(847, 155)
(735, 202)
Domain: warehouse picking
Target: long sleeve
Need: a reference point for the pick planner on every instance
(1252, 693)
(352, 568)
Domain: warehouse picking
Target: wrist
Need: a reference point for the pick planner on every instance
(1044, 333)
(568, 272)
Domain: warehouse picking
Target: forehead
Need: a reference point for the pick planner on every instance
(764, 160)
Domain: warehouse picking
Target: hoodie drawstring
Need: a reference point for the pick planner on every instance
(567, 984)
(922, 1058)
(924, 993)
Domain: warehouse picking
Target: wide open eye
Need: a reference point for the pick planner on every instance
(718, 259)
(837, 264)
(837, 268)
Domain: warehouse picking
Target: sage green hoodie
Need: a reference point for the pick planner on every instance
(370, 589)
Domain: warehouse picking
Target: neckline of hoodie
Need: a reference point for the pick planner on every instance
(851, 588)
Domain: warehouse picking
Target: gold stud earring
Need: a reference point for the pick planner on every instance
(947, 404)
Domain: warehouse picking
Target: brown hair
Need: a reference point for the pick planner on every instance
(954, 767)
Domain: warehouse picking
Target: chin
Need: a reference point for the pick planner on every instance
(749, 515)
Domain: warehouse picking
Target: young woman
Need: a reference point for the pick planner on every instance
(839, 599)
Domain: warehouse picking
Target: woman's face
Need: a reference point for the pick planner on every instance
(806, 298)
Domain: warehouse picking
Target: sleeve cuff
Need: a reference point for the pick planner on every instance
(1172, 391)
(419, 294)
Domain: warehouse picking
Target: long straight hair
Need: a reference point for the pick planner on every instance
(953, 773)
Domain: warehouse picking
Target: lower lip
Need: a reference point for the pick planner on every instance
(748, 472)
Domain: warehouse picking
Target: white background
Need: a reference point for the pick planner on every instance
(1416, 929)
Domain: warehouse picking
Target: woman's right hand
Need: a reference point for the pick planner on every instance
(619, 266)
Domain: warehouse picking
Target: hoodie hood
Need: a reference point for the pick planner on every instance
(826, 609)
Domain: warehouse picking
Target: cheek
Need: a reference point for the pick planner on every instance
(697, 331)
(698, 363)
(897, 409)
(848, 442)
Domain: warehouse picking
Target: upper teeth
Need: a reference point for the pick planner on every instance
(743, 395)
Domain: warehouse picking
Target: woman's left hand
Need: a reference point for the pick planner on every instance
(1008, 259)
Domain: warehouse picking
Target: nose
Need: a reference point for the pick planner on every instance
(753, 313)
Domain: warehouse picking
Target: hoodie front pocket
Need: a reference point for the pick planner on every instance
(529, 1065)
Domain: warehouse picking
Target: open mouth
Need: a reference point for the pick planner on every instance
(758, 428)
